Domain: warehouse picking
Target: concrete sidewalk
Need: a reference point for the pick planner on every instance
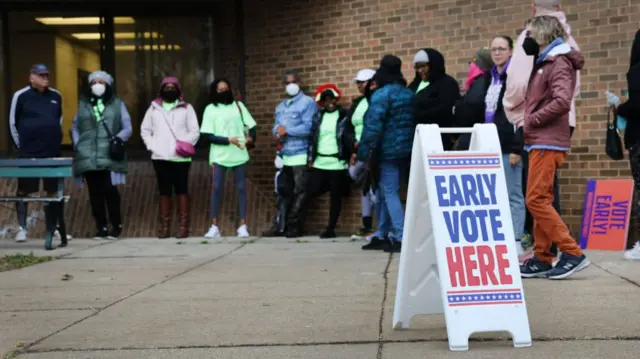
(279, 298)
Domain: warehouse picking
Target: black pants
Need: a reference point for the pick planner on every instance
(634, 161)
(101, 193)
(294, 179)
(173, 177)
(334, 182)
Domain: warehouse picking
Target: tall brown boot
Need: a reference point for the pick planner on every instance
(164, 217)
(183, 212)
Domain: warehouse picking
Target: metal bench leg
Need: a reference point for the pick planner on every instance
(50, 224)
(62, 228)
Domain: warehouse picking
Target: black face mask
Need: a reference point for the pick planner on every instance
(531, 46)
(169, 95)
(224, 97)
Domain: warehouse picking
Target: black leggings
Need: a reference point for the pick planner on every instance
(334, 182)
(173, 177)
(101, 193)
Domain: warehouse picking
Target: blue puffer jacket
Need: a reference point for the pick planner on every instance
(389, 124)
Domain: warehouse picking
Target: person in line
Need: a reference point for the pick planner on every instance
(469, 109)
(101, 114)
(630, 111)
(368, 174)
(170, 131)
(330, 148)
(356, 117)
(231, 129)
(436, 92)
(389, 128)
(293, 121)
(547, 138)
(510, 136)
(518, 74)
(280, 217)
(35, 120)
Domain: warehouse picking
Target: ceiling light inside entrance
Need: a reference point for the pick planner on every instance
(148, 47)
(117, 35)
(82, 20)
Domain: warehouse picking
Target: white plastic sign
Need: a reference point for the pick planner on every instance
(459, 253)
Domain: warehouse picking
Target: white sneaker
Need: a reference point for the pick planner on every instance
(243, 232)
(633, 254)
(21, 236)
(56, 236)
(213, 232)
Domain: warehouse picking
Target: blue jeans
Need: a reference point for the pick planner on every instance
(218, 177)
(390, 211)
(513, 177)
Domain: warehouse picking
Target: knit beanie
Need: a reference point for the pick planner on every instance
(482, 58)
(103, 75)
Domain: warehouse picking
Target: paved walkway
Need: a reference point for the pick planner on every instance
(278, 298)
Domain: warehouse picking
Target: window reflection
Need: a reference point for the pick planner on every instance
(150, 49)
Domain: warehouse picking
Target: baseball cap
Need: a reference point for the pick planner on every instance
(39, 69)
(364, 75)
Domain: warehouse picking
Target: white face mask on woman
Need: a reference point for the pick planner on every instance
(98, 89)
(292, 89)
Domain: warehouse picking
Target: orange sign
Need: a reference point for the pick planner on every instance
(607, 209)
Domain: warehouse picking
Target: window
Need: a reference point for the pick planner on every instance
(149, 49)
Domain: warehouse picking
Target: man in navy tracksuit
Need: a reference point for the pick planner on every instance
(35, 119)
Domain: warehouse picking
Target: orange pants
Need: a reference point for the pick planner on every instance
(548, 226)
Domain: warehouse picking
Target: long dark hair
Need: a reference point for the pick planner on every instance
(213, 90)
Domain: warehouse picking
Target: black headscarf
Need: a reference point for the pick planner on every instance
(633, 76)
(437, 68)
(390, 71)
(635, 50)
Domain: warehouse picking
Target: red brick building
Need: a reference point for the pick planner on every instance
(252, 42)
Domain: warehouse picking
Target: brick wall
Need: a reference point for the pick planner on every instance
(330, 41)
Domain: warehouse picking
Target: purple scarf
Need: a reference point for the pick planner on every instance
(493, 92)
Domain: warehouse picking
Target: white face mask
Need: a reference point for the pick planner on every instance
(98, 89)
(292, 89)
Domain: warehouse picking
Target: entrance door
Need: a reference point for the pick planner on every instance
(57, 40)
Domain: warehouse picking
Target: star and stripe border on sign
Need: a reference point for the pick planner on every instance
(484, 297)
(466, 161)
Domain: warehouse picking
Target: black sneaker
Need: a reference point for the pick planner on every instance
(376, 244)
(273, 232)
(102, 234)
(393, 247)
(294, 233)
(534, 268)
(115, 232)
(567, 266)
(328, 233)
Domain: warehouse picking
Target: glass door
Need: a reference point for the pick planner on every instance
(63, 42)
